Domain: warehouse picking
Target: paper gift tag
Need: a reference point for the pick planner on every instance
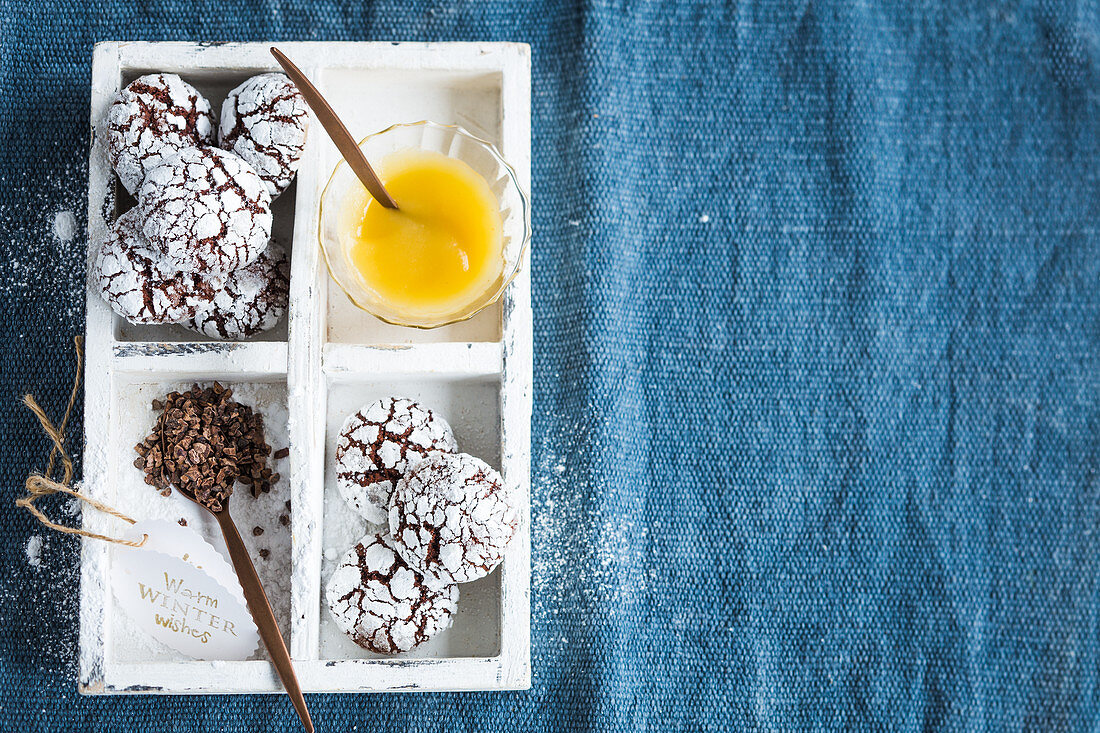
(185, 543)
(179, 590)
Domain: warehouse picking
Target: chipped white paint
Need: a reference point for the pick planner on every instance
(331, 350)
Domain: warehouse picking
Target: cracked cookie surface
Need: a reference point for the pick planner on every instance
(383, 604)
(207, 210)
(451, 517)
(136, 281)
(376, 446)
(154, 117)
(252, 299)
(264, 121)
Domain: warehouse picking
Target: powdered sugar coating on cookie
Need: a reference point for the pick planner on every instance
(383, 604)
(376, 446)
(264, 121)
(152, 118)
(451, 517)
(207, 210)
(135, 280)
(253, 299)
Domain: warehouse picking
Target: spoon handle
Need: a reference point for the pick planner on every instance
(336, 130)
(260, 608)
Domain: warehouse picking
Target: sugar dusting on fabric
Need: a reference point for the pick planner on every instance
(34, 551)
(47, 248)
(47, 581)
(582, 556)
(64, 226)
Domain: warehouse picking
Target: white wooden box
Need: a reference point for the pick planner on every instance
(327, 360)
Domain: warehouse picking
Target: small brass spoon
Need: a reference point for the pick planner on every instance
(336, 130)
(258, 606)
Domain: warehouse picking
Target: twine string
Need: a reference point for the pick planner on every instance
(40, 485)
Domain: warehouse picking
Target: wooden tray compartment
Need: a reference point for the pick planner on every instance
(323, 363)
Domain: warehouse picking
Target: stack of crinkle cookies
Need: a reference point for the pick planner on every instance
(196, 249)
(449, 518)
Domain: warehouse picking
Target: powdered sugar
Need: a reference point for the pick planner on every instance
(64, 226)
(585, 555)
(38, 261)
(39, 604)
(34, 551)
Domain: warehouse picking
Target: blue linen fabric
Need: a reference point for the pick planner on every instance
(817, 392)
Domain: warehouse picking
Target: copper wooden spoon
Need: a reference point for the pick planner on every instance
(336, 130)
(258, 606)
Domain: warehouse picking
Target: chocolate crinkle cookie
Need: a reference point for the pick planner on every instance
(377, 444)
(207, 210)
(136, 281)
(382, 603)
(154, 117)
(451, 517)
(264, 121)
(252, 299)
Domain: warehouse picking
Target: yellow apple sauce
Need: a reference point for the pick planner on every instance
(441, 250)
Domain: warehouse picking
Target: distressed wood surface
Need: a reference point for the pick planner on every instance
(326, 346)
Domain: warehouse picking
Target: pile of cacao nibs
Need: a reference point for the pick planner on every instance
(202, 443)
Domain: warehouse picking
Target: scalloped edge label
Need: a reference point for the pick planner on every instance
(180, 590)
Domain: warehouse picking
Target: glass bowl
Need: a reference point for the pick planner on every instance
(454, 142)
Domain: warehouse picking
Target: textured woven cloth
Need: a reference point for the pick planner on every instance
(817, 372)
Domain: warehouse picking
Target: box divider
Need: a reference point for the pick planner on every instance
(516, 388)
(442, 359)
(99, 330)
(306, 398)
(238, 361)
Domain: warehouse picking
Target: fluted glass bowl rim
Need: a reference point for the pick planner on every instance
(507, 278)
